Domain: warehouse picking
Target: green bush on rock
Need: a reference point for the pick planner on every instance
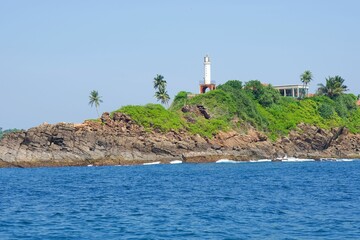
(254, 104)
(154, 116)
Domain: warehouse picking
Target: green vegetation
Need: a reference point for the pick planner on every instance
(219, 103)
(207, 128)
(265, 95)
(161, 93)
(154, 116)
(180, 100)
(334, 87)
(3, 132)
(306, 78)
(239, 106)
(95, 99)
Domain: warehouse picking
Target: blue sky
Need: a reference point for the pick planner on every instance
(53, 53)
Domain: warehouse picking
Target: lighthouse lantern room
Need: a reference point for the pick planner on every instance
(207, 83)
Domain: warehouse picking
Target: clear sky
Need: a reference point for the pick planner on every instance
(53, 53)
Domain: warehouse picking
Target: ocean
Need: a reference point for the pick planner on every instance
(264, 200)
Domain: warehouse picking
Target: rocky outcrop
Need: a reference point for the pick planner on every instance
(198, 110)
(313, 142)
(117, 139)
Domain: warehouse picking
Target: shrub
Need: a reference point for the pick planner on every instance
(179, 100)
(344, 104)
(353, 122)
(326, 110)
(265, 95)
(234, 84)
(208, 128)
(246, 108)
(154, 116)
(219, 103)
(270, 96)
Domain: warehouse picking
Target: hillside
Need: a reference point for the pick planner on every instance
(254, 106)
(234, 122)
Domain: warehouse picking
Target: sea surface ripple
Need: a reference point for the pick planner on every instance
(267, 200)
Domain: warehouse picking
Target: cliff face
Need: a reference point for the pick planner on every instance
(118, 140)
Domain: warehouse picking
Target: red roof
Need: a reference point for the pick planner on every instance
(358, 102)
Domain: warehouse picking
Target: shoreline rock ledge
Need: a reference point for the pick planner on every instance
(118, 140)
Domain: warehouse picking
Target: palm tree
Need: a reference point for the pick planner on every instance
(334, 87)
(159, 81)
(162, 95)
(95, 99)
(305, 78)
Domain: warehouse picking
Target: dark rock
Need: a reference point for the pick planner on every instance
(216, 147)
(203, 111)
(105, 118)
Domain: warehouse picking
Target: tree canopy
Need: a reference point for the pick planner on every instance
(265, 94)
(159, 82)
(95, 99)
(161, 93)
(162, 96)
(305, 78)
(333, 87)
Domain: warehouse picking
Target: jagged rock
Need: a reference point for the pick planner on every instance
(105, 119)
(119, 140)
(121, 117)
(203, 111)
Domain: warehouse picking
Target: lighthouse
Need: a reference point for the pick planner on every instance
(207, 83)
(207, 70)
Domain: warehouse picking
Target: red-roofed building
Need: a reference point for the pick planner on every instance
(358, 102)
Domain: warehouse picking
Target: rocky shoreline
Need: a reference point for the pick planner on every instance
(117, 140)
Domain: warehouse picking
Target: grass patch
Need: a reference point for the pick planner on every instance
(154, 116)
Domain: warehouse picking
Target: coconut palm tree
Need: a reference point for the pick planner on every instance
(305, 78)
(159, 81)
(333, 87)
(95, 99)
(162, 95)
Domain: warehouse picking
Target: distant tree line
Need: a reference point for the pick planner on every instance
(3, 132)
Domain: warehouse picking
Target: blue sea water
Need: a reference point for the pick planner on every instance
(269, 200)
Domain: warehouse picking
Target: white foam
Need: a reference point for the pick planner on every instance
(344, 160)
(151, 163)
(281, 158)
(264, 160)
(291, 159)
(260, 160)
(176, 162)
(226, 161)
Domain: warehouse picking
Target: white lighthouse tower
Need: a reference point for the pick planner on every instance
(207, 84)
(207, 70)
